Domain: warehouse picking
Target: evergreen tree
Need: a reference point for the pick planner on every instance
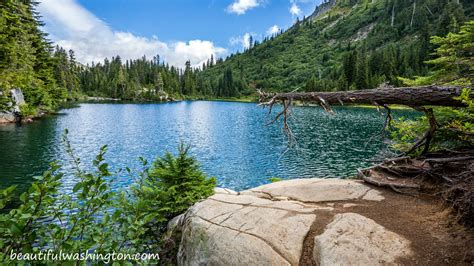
(349, 67)
(25, 55)
(362, 71)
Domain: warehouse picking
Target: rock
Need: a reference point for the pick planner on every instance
(244, 230)
(208, 244)
(7, 117)
(322, 8)
(219, 190)
(352, 239)
(17, 97)
(14, 113)
(317, 190)
(176, 222)
(265, 225)
(348, 205)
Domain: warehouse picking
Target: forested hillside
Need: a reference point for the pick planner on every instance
(355, 44)
(343, 45)
(26, 59)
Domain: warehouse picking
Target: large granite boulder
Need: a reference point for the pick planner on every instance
(269, 225)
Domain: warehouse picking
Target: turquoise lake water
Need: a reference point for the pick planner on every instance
(230, 140)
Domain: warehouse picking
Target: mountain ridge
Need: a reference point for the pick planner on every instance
(344, 44)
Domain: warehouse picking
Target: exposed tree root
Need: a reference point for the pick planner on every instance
(449, 175)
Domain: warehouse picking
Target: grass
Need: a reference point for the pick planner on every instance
(234, 99)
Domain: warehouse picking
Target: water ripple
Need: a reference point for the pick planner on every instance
(230, 140)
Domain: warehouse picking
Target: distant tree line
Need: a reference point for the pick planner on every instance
(355, 45)
(145, 78)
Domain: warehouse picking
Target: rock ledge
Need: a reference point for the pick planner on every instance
(270, 224)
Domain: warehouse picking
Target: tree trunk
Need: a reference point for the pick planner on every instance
(393, 14)
(409, 96)
(413, 13)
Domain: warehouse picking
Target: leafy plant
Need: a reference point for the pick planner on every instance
(274, 179)
(167, 189)
(92, 217)
(455, 127)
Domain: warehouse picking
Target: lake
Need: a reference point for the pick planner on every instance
(230, 140)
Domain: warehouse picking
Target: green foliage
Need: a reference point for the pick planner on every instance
(352, 46)
(93, 217)
(19, 229)
(176, 183)
(4, 100)
(167, 189)
(455, 127)
(28, 110)
(355, 45)
(453, 64)
(70, 222)
(25, 55)
(139, 79)
(274, 179)
(66, 72)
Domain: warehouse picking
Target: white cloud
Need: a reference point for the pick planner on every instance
(273, 30)
(243, 40)
(74, 27)
(239, 7)
(295, 9)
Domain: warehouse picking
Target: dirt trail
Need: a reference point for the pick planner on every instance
(436, 239)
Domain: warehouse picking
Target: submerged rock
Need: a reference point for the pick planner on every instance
(269, 225)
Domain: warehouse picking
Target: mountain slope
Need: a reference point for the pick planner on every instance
(344, 44)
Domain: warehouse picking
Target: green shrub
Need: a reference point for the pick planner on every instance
(92, 217)
(455, 127)
(167, 189)
(274, 179)
(28, 110)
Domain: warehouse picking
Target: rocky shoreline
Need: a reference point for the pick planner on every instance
(317, 222)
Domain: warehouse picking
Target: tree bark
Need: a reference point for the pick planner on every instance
(409, 96)
(393, 14)
(413, 13)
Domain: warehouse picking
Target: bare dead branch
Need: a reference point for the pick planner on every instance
(426, 139)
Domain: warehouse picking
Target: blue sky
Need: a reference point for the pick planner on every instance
(178, 30)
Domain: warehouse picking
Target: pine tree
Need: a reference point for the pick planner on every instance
(349, 67)
(158, 83)
(362, 71)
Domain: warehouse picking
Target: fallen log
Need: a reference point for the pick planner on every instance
(410, 96)
(414, 97)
